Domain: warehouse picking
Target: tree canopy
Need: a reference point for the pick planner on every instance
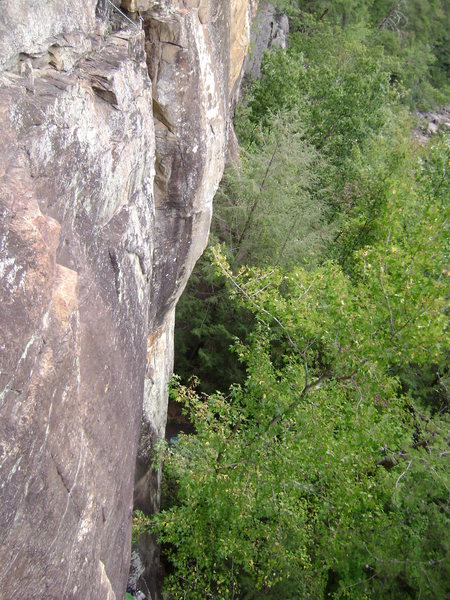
(321, 476)
(314, 327)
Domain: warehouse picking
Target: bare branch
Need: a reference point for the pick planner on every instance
(403, 474)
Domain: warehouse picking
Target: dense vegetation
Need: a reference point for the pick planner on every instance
(319, 467)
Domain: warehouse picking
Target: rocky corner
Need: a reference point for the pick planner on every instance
(114, 137)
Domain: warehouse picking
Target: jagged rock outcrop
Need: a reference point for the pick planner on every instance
(114, 141)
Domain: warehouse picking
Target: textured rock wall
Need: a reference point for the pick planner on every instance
(270, 30)
(114, 141)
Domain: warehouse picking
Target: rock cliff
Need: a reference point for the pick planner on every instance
(270, 30)
(114, 137)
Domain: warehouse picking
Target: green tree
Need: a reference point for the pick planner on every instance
(319, 476)
(207, 322)
(271, 208)
(338, 86)
(413, 33)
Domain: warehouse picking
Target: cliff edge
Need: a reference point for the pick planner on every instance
(115, 132)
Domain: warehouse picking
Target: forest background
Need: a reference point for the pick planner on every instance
(310, 342)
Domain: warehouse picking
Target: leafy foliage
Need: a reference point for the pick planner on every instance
(318, 476)
(141, 524)
(413, 34)
(207, 322)
(339, 86)
(268, 210)
(319, 469)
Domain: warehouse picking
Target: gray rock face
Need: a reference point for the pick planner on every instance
(270, 30)
(114, 142)
(32, 27)
(76, 181)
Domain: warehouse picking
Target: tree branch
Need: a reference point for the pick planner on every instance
(230, 278)
(257, 199)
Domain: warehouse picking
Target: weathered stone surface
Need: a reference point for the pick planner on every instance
(190, 53)
(31, 27)
(191, 56)
(270, 30)
(112, 151)
(76, 177)
(137, 5)
(240, 38)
